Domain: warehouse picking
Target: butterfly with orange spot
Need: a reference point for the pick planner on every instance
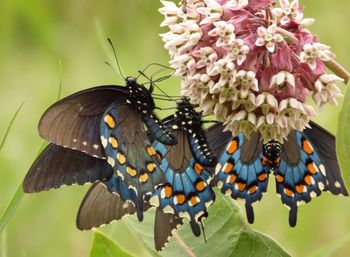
(304, 166)
(186, 192)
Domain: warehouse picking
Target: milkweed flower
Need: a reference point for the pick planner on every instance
(251, 63)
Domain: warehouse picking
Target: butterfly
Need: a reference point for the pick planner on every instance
(107, 123)
(186, 191)
(303, 166)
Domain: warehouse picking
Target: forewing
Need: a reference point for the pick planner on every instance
(57, 166)
(324, 142)
(74, 121)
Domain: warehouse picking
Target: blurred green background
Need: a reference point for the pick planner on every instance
(35, 35)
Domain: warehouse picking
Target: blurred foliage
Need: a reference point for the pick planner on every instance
(35, 35)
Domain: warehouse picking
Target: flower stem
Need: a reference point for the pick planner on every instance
(338, 70)
(335, 67)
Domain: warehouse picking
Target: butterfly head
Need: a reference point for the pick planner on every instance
(186, 116)
(139, 96)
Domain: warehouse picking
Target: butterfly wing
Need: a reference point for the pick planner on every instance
(164, 226)
(129, 151)
(241, 171)
(186, 191)
(57, 166)
(100, 206)
(302, 175)
(324, 142)
(74, 121)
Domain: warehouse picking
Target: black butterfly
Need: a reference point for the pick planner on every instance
(186, 191)
(85, 123)
(304, 165)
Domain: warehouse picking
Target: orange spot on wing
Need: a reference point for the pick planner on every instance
(200, 186)
(151, 151)
(241, 186)
(309, 180)
(262, 177)
(198, 168)
(279, 178)
(232, 147)
(232, 179)
(110, 121)
(168, 190)
(180, 198)
(114, 142)
(151, 166)
(228, 167)
(307, 147)
(252, 189)
(131, 171)
(121, 158)
(300, 189)
(288, 192)
(312, 168)
(194, 200)
(143, 178)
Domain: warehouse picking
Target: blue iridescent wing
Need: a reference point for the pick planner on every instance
(57, 166)
(129, 151)
(74, 121)
(100, 207)
(241, 171)
(301, 174)
(186, 191)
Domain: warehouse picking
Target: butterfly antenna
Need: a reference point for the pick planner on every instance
(116, 58)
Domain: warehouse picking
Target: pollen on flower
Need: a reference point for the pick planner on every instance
(238, 61)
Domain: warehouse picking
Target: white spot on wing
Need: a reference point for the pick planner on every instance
(322, 169)
(104, 141)
(96, 146)
(111, 161)
(337, 184)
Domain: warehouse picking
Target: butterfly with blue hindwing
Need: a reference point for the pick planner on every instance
(186, 192)
(304, 166)
(86, 123)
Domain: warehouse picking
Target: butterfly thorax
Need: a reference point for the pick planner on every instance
(272, 152)
(139, 97)
(190, 121)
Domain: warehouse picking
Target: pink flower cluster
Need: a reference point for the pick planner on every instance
(251, 63)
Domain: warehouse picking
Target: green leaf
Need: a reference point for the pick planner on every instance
(102, 246)
(227, 235)
(343, 138)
